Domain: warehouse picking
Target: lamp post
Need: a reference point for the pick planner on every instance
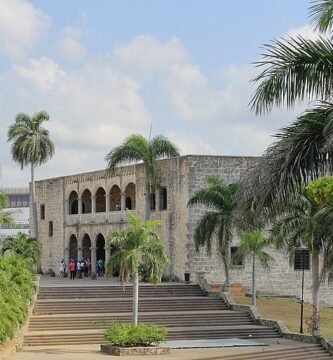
(302, 293)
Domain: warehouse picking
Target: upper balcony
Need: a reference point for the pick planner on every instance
(112, 217)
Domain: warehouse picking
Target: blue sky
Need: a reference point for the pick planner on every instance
(106, 69)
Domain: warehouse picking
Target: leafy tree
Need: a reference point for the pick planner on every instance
(303, 224)
(140, 244)
(5, 217)
(136, 148)
(31, 146)
(24, 246)
(252, 244)
(217, 223)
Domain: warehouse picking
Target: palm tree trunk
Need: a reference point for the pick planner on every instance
(135, 297)
(254, 299)
(147, 203)
(315, 295)
(226, 261)
(33, 201)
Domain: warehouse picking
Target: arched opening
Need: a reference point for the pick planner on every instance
(86, 201)
(86, 245)
(73, 203)
(100, 244)
(130, 196)
(73, 247)
(115, 198)
(100, 200)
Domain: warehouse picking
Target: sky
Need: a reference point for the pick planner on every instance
(106, 69)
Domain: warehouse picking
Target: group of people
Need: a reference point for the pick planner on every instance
(80, 268)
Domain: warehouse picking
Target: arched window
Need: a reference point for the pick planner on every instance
(130, 196)
(73, 203)
(86, 201)
(100, 200)
(86, 245)
(100, 244)
(115, 198)
(163, 198)
(73, 247)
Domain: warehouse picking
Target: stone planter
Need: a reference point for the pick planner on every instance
(134, 351)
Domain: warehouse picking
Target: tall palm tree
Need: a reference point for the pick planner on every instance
(217, 223)
(252, 243)
(303, 224)
(136, 148)
(31, 145)
(5, 217)
(139, 245)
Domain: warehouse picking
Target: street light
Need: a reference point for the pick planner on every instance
(302, 253)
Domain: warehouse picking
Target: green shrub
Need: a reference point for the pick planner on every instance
(129, 335)
(16, 289)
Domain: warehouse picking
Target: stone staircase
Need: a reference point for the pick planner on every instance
(80, 314)
(305, 352)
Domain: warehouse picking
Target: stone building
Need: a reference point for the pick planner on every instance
(18, 207)
(77, 212)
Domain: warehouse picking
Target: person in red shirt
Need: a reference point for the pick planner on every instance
(72, 269)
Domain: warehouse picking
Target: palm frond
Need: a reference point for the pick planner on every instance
(294, 69)
(321, 15)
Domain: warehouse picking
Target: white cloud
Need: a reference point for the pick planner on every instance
(95, 105)
(21, 26)
(305, 31)
(43, 72)
(69, 45)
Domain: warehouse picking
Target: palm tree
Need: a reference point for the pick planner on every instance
(139, 245)
(252, 243)
(217, 223)
(5, 217)
(31, 145)
(303, 224)
(24, 246)
(136, 148)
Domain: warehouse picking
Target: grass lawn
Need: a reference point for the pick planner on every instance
(289, 312)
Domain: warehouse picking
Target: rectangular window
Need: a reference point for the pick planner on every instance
(163, 198)
(236, 259)
(12, 200)
(152, 201)
(42, 211)
(25, 201)
(302, 259)
(50, 228)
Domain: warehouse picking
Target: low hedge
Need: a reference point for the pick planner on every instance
(129, 335)
(16, 289)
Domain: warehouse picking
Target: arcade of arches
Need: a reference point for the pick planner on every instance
(87, 250)
(101, 202)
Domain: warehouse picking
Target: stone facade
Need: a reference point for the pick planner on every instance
(77, 212)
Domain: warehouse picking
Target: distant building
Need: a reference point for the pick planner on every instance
(18, 207)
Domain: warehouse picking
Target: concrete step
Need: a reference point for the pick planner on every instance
(170, 319)
(119, 292)
(174, 333)
(306, 352)
(125, 305)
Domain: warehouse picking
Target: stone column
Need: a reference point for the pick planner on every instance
(79, 206)
(93, 260)
(93, 204)
(79, 253)
(66, 256)
(107, 255)
(123, 201)
(107, 202)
